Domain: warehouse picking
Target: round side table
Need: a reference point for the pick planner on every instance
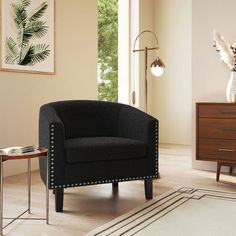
(28, 155)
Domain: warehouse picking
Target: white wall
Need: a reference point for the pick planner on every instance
(76, 71)
(209, 74)
(141, 18)
(194, 72)
(171, 93)
(146, 22)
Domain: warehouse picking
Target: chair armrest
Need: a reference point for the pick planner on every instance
(138, 125)
(52, 136)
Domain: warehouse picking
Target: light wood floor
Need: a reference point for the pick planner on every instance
(86, 208)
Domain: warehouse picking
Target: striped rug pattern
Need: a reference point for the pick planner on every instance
(184, 211)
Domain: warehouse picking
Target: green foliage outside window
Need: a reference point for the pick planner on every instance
(108, 50)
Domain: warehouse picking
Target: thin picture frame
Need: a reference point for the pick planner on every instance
(28, 36)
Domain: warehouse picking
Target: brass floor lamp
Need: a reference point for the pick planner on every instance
(157, 66)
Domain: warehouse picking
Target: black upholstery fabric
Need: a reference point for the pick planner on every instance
(90, 149)
(96, 141)
(88, 119)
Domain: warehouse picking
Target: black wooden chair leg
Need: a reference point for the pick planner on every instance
(115, 184)
(59, 196)
(148, 188)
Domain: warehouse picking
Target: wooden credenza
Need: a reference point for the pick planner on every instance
(216, 133)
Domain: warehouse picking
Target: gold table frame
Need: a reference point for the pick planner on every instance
(37, 153)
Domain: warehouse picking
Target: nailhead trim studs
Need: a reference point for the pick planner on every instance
(106, 181)
(52, 155)
(156, 148)
(52, 137)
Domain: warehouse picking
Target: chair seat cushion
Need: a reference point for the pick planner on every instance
(90, 149)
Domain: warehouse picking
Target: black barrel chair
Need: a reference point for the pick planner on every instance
(94, 142)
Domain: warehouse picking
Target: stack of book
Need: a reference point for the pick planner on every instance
(17, 150)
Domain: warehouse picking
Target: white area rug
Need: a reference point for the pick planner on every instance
(181, 212)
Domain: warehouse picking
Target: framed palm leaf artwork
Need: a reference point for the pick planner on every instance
(27, 36)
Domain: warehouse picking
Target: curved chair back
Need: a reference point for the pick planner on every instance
(88, 118)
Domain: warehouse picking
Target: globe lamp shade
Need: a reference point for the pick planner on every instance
(157, 67)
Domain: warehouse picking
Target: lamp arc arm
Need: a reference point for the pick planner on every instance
(146, 31)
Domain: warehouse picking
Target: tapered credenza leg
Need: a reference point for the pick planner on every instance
(218, 170)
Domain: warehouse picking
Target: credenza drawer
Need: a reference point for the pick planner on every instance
(217, 128)
(216, 149)
(217, 111)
